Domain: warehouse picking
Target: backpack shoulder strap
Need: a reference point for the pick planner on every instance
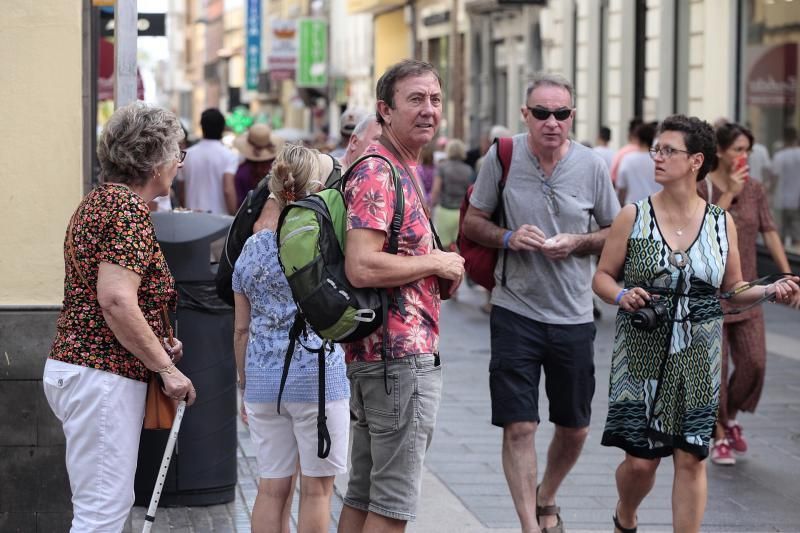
(399, 203)
(505, 150)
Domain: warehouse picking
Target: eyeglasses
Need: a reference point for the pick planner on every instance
(181, 156)
(550, 196)
(542, 113)
(665, 151)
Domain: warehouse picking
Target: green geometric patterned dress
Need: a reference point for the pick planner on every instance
(664, 386)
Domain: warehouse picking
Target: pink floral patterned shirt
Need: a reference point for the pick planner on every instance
(414, 316)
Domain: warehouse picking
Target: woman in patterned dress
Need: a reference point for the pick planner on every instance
(264, 313)
(110, 334)
(675, 249)
(743, 336)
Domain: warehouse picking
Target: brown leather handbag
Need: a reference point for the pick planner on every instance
(159, 412)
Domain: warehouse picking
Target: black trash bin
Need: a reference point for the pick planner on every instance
(203, 469)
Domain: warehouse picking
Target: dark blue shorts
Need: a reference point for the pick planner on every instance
(521, 348)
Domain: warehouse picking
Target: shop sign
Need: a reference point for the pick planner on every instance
(312, 61)
(147, 24)
(253, 55)
(282, 59)
(772, 76)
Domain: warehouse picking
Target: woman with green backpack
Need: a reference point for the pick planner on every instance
(265, 311)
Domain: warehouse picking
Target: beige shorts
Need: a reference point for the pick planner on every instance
(281, 438)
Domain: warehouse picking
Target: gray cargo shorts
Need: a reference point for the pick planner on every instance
(391, 433)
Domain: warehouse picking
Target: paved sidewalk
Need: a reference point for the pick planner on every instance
(464, 490)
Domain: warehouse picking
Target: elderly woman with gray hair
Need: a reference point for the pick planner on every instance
(111, 332)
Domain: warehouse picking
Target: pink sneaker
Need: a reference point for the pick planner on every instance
(721, 453)
(734, 436)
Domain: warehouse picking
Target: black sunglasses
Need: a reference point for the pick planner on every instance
(542, 113)
(181, 156)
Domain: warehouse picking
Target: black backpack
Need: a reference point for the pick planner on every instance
(242, 228)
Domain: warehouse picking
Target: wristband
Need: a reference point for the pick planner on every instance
(620, 295)
(507, 238)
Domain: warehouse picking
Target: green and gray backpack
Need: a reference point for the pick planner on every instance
(311, 242)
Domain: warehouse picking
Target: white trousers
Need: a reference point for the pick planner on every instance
(101, 414)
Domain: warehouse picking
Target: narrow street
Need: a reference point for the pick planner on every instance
(464, 489)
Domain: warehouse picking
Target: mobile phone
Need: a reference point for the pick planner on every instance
(741, 162)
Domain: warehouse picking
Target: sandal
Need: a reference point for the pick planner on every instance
(617, 525)
(549, 510)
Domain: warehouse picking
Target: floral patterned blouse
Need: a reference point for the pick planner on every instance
(370, 196)
(112, 225)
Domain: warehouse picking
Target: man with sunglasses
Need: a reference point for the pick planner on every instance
(542, 315)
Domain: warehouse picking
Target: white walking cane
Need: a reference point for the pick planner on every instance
(150, 517)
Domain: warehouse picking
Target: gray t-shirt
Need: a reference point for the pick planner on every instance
(553, 292)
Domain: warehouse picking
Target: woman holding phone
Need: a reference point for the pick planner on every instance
(729, 187)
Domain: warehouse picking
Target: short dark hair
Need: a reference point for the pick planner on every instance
(789, 135)
(634, 123)
(212, 122)
(384, 90)
(730, 131)
(605, 133)
(645, 133)
(698, 135)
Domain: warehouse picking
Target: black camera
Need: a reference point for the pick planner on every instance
(650, 316)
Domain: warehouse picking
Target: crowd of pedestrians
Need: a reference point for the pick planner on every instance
(686, 233)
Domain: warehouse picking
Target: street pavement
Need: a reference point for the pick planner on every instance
(464, 489)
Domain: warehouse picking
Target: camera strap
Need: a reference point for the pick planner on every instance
(727, 295)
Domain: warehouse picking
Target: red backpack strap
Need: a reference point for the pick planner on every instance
(505, 149)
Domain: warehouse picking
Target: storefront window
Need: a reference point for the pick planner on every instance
(770, 95)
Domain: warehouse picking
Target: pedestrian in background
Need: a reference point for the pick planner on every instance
(637, 172)
(264, 313)
(111, 333)
(209, 165)
(664, 382)
(427, 170)
(396, 380)
(366, 132)
(347, 125)
(602, 148)
(450, 183)
(786, 167)
(258, 146)
(743, 335)
(629, 148)
(541, 319)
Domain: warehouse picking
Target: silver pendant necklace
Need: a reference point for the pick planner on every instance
(679, 231)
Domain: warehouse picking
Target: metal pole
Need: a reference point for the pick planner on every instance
(150, 517)
(125, 34)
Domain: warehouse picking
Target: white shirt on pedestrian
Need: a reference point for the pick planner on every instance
(205, 165)
(637, 175)
(786, 165)
(606, 154)
(758, 161)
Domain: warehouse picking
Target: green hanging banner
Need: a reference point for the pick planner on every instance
(312, 53)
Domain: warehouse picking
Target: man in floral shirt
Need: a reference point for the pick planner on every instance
(395, 405)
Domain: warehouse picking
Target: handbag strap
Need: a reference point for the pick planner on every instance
(413, 178)
(70, 245)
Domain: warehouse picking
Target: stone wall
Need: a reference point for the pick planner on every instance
(34, 489)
